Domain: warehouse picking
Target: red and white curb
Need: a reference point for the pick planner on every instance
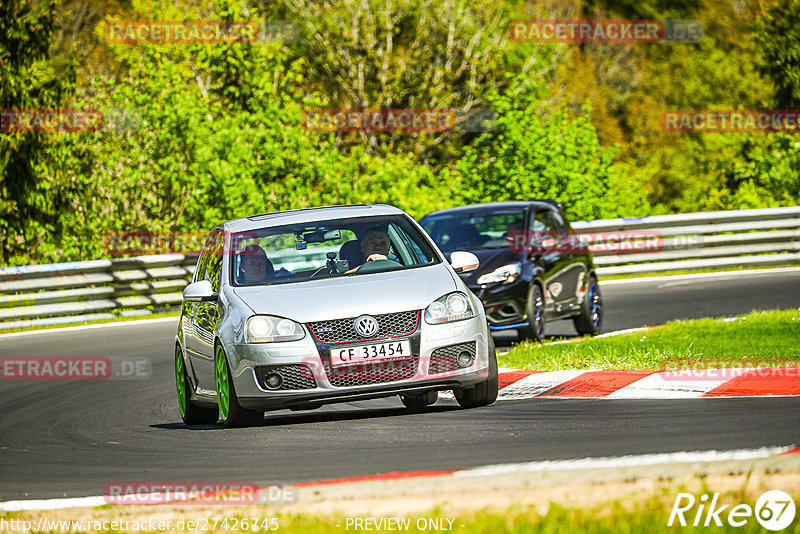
(681, 384)
(613, 462)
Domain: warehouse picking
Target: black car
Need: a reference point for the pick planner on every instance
(533, 267)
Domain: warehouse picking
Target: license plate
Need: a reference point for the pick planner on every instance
(370, 353)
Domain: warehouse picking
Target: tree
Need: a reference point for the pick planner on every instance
(30, 78)
(778, 37)
(426, 54)
(534, 153)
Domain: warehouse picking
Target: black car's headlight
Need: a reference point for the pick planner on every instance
(267, 329)
(506, 273)
(449, 308)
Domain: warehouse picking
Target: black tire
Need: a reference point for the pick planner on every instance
(191, 414)
(534, 311)
(483, 393)
(232, 414)
(590, 320)
(419, 402)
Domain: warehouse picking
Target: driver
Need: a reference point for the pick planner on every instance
(375, 245)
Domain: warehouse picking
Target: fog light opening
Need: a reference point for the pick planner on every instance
(273, 381)
(464, 359)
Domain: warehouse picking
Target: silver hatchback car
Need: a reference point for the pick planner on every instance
(308, 307)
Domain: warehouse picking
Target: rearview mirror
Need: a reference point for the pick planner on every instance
(321, 236)
(464, 262)
(200, 291)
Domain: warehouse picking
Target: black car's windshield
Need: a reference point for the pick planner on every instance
(479, 229)
(329, 248)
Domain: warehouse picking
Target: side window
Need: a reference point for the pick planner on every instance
(409, 251)
(201, 263)
(542, 222)
(214, 264)
(545, 231)
(559, 227)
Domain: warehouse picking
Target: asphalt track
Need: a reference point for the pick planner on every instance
(69, 439)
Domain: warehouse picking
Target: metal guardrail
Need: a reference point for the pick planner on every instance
(103, 289)
(713, 240)
(61, 293)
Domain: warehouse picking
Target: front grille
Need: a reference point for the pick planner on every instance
(362, 374)
(443, 359)
(343, 330)
(295, 376)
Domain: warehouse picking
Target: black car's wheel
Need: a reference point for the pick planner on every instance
(535, 313)
(190, 412)
(590, 320)
(419, 402)
(232, 413)
(483, 393)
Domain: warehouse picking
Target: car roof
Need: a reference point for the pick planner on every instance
(308, 215)
(536, 203)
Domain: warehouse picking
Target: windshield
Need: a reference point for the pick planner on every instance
(325, 249)
(471, 230)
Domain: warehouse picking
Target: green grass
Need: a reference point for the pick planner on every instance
(758, 338)
(99, 321)
(648, 516)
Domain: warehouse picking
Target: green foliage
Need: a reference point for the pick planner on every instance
(534, 155)
(778, 36)
(29, 79)
(204, 133)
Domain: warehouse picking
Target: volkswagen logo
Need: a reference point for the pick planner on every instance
(366, 326)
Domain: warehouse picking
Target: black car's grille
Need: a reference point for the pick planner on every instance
(371, 373)
(443, 359)
(295, 376)
(343, 330)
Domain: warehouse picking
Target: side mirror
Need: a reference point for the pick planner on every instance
(199, 291)
(464, 262)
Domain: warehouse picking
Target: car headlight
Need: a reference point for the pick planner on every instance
(506, 273)
(267, 329)
(449, 308)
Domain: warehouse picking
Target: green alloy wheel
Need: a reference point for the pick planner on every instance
(230, 410)
(190, 412)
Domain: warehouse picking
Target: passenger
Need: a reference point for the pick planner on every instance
(255, 268)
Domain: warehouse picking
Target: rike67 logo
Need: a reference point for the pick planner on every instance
(774, 510)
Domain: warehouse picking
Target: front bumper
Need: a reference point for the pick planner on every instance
(504, 303)
(305, 366)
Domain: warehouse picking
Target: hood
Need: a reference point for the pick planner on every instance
(490, 259)
(351, 296)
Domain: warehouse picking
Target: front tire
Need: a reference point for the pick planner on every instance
(190, 412)
(483, 393)
(535, 313)
(231, 412)
(590, 320)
